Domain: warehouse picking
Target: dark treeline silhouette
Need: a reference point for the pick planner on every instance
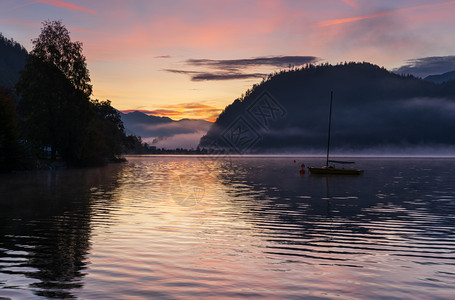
(56, 119)
(135, 145)
(147, 149)
(372, 108)
(12, 61)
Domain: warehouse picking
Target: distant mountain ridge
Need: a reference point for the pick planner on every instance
(441, 78)
(162, 129)
(373, 109)
(136, 122)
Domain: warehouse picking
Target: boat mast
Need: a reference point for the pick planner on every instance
(330, 124)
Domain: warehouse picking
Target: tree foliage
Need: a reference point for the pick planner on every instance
(48, 101)
(373, 109)
(54, 46)
(55, 107)
(105, 133)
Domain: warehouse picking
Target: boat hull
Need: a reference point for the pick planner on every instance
(334, 171)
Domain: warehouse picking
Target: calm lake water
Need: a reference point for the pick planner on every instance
(171, 227)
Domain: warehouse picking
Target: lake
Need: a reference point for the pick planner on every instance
(188, 227)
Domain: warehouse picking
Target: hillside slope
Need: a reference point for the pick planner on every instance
(441, 78)
(164, 132)
(12, 60)
(373, 108)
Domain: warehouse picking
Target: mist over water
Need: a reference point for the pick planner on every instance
(175, 227)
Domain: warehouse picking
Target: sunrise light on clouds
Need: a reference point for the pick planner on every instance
(156, 55)
(382, 14)
(184, 110)
(227, 149)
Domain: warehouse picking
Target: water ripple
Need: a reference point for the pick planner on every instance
(175, 227)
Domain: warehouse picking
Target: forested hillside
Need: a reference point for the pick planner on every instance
(372, 109)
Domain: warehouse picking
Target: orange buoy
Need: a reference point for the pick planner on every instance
(302, 165)
(302, 171)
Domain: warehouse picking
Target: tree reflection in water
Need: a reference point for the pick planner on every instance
(45, 228)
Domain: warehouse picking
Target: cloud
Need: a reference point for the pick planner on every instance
(231, 69)
(348, 20)
(377, 39)
(227, 75)
(189, 110)
(156, 26)
(66, 5)
(381, 14)
(184, 140)
(164, 132)
(425, 66)
(276, 61)
(181, 71)
(351, 3)
(172, 128)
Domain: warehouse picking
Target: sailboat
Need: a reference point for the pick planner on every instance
(330, 169)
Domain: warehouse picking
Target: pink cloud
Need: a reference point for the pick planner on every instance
(351, 3)
(348, 20)
(217, 25)
(66, 5)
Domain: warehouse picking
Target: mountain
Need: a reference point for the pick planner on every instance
(441, 78)
(373, 109)
(165, 132)
(139, 123)
(12, 60)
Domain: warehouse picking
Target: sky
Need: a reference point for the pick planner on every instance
(190, 59)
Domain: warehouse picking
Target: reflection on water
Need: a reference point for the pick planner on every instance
(187, 227)
(45, 227)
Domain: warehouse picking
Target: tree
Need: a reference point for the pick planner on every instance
(54, 89)
(105, 133)
(54, 46)
(55, 107)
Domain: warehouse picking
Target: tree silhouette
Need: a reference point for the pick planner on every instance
(55, 107)
(105, 134)
(54, 46)
(45, 95)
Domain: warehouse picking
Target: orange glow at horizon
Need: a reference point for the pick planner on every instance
(183, 111)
